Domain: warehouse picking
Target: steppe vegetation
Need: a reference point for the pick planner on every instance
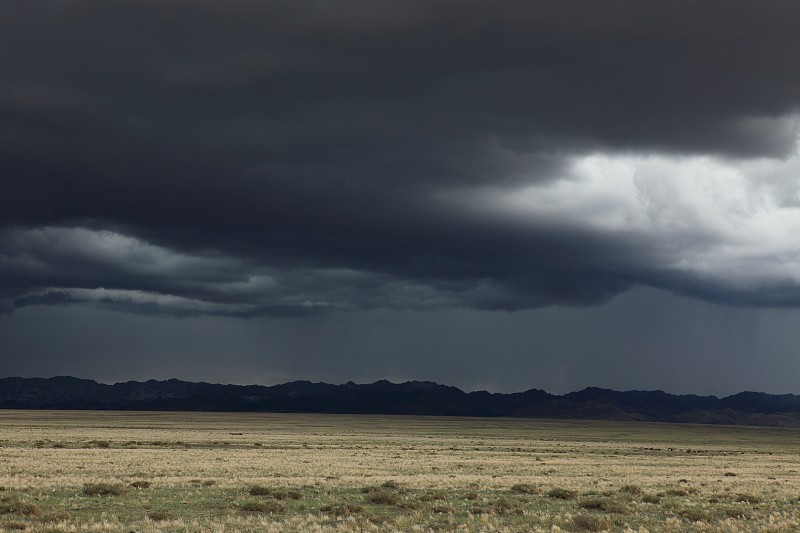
(147, 472)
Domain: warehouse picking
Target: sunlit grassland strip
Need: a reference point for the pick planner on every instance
(66, 471)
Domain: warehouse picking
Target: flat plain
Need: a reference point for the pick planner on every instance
(70, 471)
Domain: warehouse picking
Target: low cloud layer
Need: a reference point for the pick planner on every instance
(248, 159)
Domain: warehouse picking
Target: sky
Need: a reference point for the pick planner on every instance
(528, 194)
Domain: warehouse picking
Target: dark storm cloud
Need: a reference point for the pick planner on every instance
(251, 158)
(644, 339)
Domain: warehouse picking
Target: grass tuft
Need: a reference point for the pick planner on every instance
(590, 523)
(747, 498)
(104, 489)
(633, 490)
(561, 494)
(270, 506)
(160, 516)
(651, 498)
(525, 488)
(695, 515)
(383, 498)
(342, 509)
(287, 495)
(259, 490)
(14, 505)
(677, 492)
(597, 504)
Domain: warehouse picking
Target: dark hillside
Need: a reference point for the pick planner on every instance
(410, 398)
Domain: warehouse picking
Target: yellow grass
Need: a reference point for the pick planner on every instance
(452, 474)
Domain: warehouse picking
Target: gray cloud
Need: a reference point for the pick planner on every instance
(286, 158)
(643, 339)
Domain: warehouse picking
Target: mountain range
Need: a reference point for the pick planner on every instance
(409, 398)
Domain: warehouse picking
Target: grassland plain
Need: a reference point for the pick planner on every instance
(68, 471)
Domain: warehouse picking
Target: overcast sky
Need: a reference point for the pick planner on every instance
(514, 195)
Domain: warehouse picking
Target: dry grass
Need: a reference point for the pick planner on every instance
(147, 472)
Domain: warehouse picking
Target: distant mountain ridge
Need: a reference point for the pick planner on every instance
(409, 398)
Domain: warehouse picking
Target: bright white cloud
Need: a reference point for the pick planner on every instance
(731, 223)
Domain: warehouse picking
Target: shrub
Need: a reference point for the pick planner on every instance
(593, 504)
(525, 488)
(695, 515)
(633, 490)
(391, 484)
(590, 523)
(505, 506)
(383, 498)
(747, 498)
(616, 507)
(259, 490)
(270, 506)
(677, 492)
(431, 496)
(342, 509)
(736, 513)
(286, 495)
(561, 494)
(609, 506)
(651, 498)
(159, 516)
(13, 505)
(729, 474)
(104, 489)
